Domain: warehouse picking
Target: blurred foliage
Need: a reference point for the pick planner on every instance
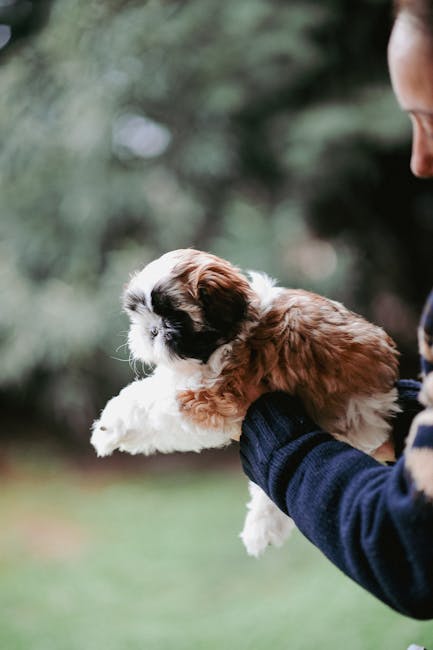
(262, 130)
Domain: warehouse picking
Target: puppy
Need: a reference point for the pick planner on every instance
(218, 340)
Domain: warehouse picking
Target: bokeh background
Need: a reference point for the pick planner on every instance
(264, 131)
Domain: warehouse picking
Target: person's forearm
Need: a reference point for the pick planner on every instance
(365, 517)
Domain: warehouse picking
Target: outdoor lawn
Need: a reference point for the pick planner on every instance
(151, 561)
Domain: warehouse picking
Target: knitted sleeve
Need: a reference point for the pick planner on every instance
(370, 520)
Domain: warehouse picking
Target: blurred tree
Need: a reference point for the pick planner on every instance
(262, 130)
(19, 19)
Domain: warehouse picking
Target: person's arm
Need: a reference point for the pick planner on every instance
(367, 518)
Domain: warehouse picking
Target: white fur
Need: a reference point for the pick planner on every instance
(153, 273)
(144, 347)
(265, 289)
(363, 424)
(144, 418)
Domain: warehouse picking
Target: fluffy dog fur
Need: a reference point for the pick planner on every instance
(218, 340)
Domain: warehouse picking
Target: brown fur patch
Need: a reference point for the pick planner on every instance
(203, 284)
(303, 344)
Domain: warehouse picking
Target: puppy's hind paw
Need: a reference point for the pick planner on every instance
(262, 529)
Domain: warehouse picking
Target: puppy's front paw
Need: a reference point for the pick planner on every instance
(115, 426)
(105, 439)
(126, 423)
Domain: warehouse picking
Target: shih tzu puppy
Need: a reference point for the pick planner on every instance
(218, 339)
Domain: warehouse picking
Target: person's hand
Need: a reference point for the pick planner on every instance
(283, 418)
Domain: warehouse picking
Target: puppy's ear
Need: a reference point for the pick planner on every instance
(223, 295)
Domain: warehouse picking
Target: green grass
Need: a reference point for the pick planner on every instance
(154, 563)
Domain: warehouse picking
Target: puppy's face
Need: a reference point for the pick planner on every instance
(184, 305)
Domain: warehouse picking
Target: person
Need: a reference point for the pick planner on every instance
(373, 521)
(410, 61)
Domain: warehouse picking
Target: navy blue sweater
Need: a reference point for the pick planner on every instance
(367, 518)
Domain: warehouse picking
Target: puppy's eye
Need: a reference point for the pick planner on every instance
(154, 332)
